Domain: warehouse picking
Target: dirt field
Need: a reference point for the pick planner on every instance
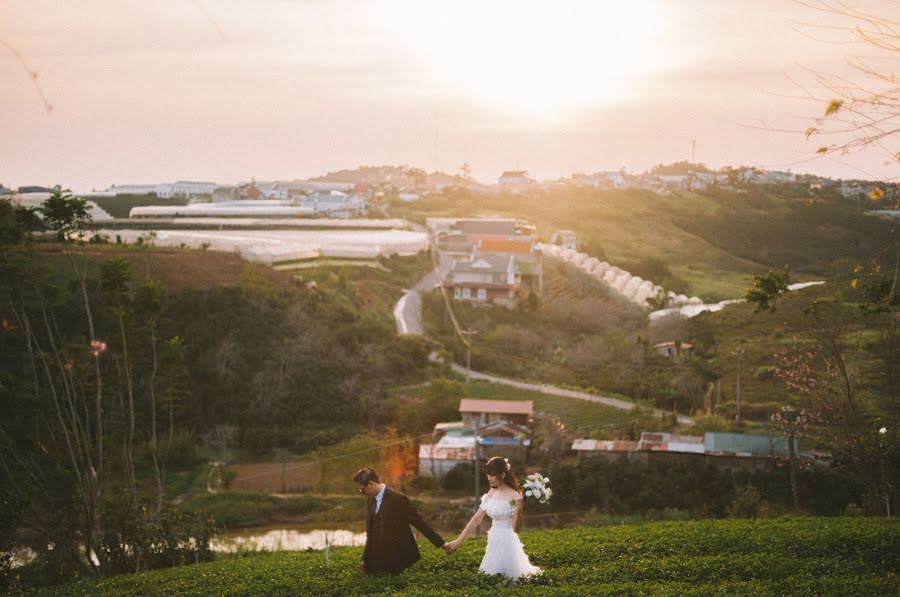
(273, 477)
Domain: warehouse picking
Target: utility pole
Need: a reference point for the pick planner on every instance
(737, 415)
(693, 151)
(477, 462)
(468, 333)
(436, 142)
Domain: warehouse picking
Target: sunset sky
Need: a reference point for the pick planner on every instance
(226, 90)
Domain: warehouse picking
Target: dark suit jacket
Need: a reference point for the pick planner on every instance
(390, 546)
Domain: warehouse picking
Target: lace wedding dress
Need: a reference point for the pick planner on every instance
(504, 554)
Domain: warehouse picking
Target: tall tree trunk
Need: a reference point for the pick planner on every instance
(795, 487)
(154, 447)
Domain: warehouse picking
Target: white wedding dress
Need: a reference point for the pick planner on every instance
(505, 554)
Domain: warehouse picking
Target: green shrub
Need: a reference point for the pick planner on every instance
(840, 556)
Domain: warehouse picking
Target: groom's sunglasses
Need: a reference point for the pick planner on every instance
(361, 488)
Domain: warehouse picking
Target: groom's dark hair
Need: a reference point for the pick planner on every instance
(364, 476)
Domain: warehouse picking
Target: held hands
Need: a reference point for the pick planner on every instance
(451, 546)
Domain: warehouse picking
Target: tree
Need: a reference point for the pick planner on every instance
(766, 289)
(862, 113)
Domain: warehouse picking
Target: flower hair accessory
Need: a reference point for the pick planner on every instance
(506, 460)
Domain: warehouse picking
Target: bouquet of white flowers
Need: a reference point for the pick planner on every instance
(536, 487)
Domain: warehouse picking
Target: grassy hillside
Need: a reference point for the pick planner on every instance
(713, 242)
(120, 205)
(802, 556)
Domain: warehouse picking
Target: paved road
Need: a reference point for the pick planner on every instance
(408, 310)
(555, 391)
(408, 316)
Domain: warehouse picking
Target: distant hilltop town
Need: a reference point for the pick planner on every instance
(350, 193)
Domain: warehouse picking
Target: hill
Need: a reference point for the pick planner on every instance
(712, 242)
(800, 556)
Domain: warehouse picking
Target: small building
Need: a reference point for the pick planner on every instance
(485, 278)
(37, 189)
(437, 460)
(724, 450)
(514, 178)
(499, 226)
(517, 412)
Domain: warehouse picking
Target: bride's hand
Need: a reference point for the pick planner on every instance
(452, 546)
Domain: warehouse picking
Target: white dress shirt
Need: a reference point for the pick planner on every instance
(378, 498)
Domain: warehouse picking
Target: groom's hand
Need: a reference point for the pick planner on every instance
(362, 567)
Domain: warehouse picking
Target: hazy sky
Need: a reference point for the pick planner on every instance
(226, 90)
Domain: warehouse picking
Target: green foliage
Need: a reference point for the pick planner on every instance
(657, 270)
(682, 167)
(120, 205)
(130, 541)
(766, 289)
(841, 556)
(439, 403)
(747, 503)
(624, 488)
(16, 223)
(65, 214)
(232, 509)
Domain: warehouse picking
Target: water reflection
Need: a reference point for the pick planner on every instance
(285, 539)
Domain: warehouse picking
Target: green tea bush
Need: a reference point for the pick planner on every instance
(835, 556)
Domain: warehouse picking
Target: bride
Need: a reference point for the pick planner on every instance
(503, 504)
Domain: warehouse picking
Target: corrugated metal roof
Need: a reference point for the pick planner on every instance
(604, 445)
(433, 452)
(455, 441)
(744, 443)
(506, 246)
(506, 407)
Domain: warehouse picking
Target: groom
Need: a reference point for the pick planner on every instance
(390, 546)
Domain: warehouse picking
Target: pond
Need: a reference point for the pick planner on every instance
(284, 539)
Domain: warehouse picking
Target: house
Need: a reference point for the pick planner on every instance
(529, 265)
(37, 189)
(481, 226)
(223, 194)
(673, 348)
(336, 204)
(484, 278)
(502, 245)
(250, 192)
(185, 188)
(517, 412)
(5, 191)
(273, 190)
(133, 189)
(514, 178)
(605, 180)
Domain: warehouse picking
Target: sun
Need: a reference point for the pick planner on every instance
(537, 59)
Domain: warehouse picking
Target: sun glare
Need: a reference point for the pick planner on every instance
(537, 59)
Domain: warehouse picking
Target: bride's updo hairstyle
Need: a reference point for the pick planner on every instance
(499, 467)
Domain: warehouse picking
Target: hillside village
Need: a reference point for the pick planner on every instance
(350, 193)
